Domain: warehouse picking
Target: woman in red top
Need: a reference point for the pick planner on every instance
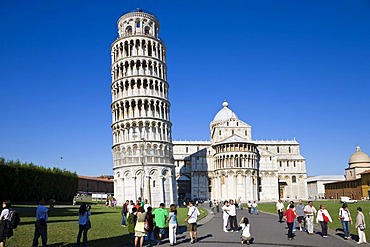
(290, 216)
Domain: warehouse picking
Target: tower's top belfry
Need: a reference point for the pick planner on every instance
(138, 22)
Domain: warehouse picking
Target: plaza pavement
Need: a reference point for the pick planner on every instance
(265, 229)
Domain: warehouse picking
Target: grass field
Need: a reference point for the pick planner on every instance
(63, 226)
(333, 208)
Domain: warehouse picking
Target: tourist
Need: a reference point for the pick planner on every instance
(360, 225)
(149, 224)
(41, 223)
(130, 207)
(290, 216)
(233, 224)
(310, 212)
(345, 218)
(192, 217)
(124, 212)
(146, 205)
(254, 206)
(172, 224)
(299, 208)
(217, 206)
(246, 234)
(292, 203)
(140, 227)
(249, 205)
(280, 210)
(160, 217)
(4, 217)
(131, 223)
(225, 216)
(323, 217)
(84, 224)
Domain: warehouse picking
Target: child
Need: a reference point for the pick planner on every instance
(131, 222)
(246, 234)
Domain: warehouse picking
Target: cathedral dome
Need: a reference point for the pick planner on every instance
(359, 157)
(225, 113)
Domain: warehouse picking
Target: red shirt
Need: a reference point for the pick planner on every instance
(290, 215)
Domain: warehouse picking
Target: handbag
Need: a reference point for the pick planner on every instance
(362, 227)
(88, 224)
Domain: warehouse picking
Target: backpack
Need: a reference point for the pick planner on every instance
(14, 219)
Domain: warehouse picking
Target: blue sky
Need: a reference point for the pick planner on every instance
(288, 68)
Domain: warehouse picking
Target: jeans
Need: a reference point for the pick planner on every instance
(123, 220)
(82, 230)
(255, 211)
(345, 226)
(280, 216)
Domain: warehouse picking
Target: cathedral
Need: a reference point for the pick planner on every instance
(148, 164)
(233, 165)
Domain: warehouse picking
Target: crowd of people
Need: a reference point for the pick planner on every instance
(305, 215)
(146, 224)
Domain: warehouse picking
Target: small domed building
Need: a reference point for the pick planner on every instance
(232, 165)
(358, 163)
(357, 181)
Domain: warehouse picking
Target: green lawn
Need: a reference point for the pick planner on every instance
(333, 208)
(63, 226)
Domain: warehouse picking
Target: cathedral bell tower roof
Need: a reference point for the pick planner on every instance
(225, 113)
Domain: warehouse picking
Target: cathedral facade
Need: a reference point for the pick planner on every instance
(233, 165)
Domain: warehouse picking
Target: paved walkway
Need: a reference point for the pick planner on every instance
(265, 229)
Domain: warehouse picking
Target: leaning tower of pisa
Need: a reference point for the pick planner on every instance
(142, 143)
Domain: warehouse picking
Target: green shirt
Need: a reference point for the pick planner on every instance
(160, 216)
(131, 223)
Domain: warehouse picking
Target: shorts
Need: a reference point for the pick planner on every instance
(300, 219)
(192, 227)
(162, 231)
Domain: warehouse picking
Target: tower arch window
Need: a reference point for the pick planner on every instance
(290, 150)
(219, 132)
(278, 149)
(232, 132)
(129, 30)
(294, 179)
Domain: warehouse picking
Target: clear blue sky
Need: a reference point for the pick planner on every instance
(288, 68)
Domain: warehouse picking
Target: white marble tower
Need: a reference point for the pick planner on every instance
(142, 143)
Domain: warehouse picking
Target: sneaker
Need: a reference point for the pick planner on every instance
(226, 231)
(231, 230)
(325, 236)
(192, 241)
(236, 231)
(300, 229)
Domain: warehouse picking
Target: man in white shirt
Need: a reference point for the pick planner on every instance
(310, 212)
(192, 218)
(146, 205)
(280, 210)
(232, 217)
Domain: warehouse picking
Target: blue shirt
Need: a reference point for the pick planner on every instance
(82, 219)
(41, 212)
(173, 218)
